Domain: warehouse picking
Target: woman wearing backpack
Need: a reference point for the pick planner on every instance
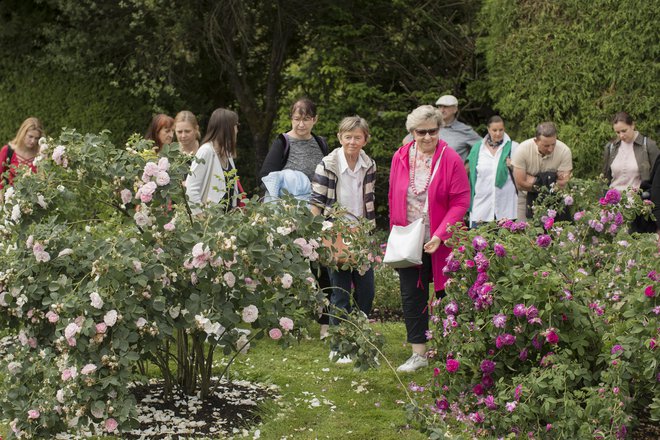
(299, 149)
(21, 151)
(628, 162)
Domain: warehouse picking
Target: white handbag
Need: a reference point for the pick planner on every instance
(405, 244)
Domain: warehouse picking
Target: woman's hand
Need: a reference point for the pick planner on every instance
(432, 245)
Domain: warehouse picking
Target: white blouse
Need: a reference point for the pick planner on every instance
(206, 180)
(490, 202)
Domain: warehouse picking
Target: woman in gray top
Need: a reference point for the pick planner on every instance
(298, 149)
(301, 150)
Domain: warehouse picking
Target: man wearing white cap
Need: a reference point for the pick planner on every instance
(458, 135)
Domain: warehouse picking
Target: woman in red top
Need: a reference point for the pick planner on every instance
(21, 150)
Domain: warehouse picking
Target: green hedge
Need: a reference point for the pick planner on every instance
(61, 100)
(574, 62)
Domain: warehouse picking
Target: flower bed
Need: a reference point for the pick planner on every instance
(548, 331)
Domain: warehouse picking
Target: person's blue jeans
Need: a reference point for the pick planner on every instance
(343, 282)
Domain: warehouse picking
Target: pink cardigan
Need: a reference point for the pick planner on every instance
(449, 199)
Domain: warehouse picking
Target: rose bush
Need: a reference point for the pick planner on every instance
(548, 331)
(104, 268)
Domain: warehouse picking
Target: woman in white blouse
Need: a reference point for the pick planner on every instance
(211, 178)
(494, 195)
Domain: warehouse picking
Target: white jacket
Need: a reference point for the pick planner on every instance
(206, 181)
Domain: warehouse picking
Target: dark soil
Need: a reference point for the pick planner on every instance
(232, 407)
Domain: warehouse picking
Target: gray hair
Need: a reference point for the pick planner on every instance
(546, 129)
(422, 114)
(351, 123)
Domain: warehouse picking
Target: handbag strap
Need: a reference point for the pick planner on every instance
(435, 170)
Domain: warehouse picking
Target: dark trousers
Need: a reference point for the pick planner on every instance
(343, 282)
(414, 283)
(321, 273)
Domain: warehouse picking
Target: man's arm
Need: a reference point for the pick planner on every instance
(563, 178)
(524, 181)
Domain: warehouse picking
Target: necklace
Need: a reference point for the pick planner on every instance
(412, 174)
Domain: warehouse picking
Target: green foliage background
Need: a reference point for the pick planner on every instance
(572, 62)
(95, 65)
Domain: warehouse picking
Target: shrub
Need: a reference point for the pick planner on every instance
(549, 330)
(103, 267)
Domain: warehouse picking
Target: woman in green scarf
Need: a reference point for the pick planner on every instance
(494, 195)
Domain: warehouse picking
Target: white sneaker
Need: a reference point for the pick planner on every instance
(414, 363)
(341, 360)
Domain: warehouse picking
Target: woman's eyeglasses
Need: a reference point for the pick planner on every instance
(430, 132)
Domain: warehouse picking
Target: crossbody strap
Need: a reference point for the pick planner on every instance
(435, 170)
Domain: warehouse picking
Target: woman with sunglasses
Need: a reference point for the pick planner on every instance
(426, 168)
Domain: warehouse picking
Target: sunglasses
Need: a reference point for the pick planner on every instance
(430, 132)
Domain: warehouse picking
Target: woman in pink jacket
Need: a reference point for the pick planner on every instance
(448, 200)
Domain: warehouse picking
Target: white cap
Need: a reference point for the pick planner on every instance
(447, 100)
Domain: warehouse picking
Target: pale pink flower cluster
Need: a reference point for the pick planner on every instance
(308, 248)
(69, 373)
(59, 156)
(88, 369)
(39, 253)
(153, 175)
(70, 333)
(201, 255)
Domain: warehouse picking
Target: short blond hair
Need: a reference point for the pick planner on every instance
(422, 114)
(351, 123)
(30, 123)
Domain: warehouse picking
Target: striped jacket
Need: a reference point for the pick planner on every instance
(324, 185)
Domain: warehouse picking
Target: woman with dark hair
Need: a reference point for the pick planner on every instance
(20, 151)
(493, 190)
(161, 131)
(298, 149)
(628, 162)
(628, 159)
(208, 180)
(187, 132)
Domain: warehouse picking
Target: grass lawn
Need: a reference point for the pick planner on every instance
(323, 400)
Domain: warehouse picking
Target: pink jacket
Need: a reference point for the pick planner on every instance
(449, 199)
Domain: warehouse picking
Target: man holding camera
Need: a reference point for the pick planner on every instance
(541, 161)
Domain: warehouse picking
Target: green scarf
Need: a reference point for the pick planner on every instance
(501, 174)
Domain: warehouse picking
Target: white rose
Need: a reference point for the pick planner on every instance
(97, 301)
(110, 318)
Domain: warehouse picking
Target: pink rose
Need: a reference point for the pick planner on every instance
(169, 226)
(250, 314)
(452, 365)
(287, 280)
(552, 337)
(52, 317)
(101, 328)
(33, 414)
(230, 279)
(649, 291)
(126, 195)
(286, 323)
(88, 369)
(110, 318)
(162, 178)
(163, 164)
(111, 425)
(275, 333)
